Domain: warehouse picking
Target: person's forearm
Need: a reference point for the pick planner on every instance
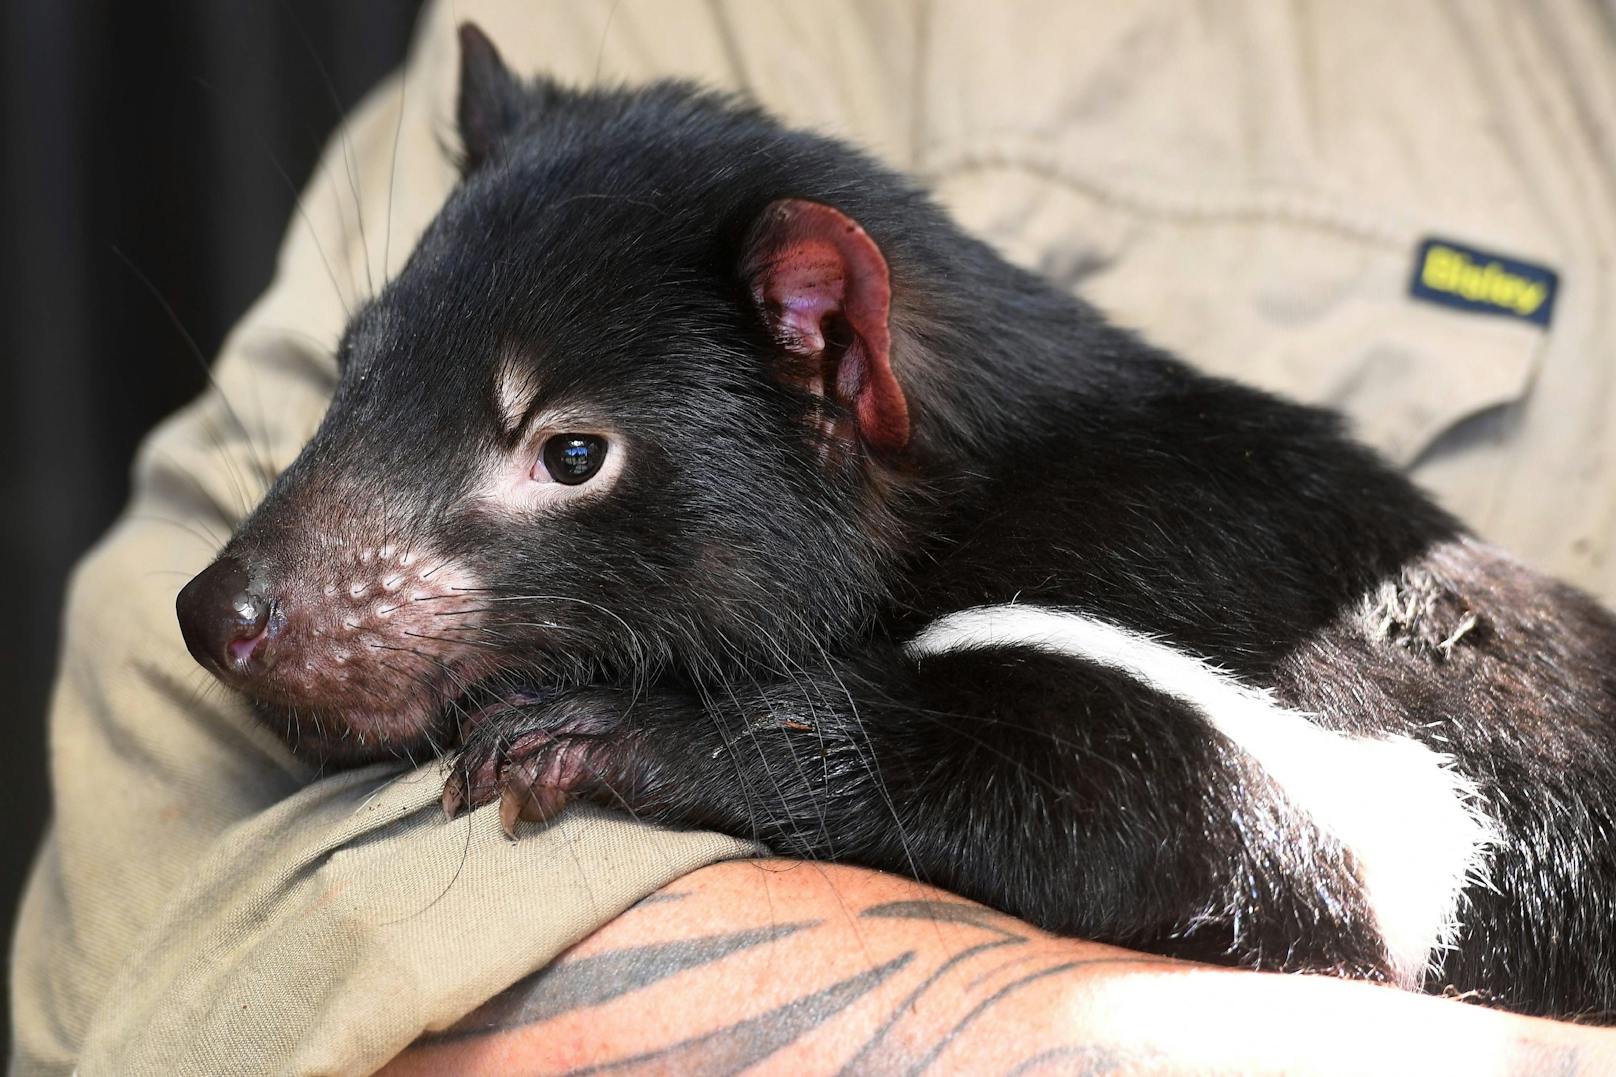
(814, 968)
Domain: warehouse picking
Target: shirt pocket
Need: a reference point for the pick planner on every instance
(1299, 292)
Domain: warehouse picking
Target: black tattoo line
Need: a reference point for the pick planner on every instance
(953, 912)
(990, 973)
(1087, 1060)
(745, 1043)
(589, 981)
(659, 898)
(878, 1055)
(1015, 985)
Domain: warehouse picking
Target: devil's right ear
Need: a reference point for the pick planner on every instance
(822, 287)
(490, 104)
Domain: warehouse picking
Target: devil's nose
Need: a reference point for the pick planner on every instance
(224, 617)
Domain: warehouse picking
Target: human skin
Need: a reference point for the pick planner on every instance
(805, 968)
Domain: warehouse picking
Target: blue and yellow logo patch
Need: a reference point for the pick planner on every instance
(1469, 279)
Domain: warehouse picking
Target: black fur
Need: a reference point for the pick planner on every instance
(717, 640)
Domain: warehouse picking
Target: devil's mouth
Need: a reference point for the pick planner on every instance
(351, 736)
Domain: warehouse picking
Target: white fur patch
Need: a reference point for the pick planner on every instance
(1413, 822)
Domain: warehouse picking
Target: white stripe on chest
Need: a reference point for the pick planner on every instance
(1412, 822)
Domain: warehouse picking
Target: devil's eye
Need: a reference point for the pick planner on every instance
(573, 458)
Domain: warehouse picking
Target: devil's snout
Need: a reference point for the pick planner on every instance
(225, 618)
(353, 649)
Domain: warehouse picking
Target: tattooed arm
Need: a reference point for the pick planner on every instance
(820, 969)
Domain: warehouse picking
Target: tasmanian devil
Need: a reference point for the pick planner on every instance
(703, 467)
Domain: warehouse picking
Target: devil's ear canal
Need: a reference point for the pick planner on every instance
(490, 103)
(821, 285)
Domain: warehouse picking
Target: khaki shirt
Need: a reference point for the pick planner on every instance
(1246, 183)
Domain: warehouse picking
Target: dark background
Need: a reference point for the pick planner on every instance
(178, 134)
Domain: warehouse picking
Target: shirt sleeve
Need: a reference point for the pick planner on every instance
(202, 897)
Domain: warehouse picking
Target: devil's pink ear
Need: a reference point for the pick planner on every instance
(821, 285)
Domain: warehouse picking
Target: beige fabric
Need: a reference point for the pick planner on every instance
(1251, 181)
(1245, 182)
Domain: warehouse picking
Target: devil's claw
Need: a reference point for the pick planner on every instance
(528, 792)
(454, 794)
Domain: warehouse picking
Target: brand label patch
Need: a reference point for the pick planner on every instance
(1470, 279)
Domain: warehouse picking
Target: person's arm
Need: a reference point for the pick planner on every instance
(805, 968)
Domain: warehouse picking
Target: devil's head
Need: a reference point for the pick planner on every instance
(632, 406)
